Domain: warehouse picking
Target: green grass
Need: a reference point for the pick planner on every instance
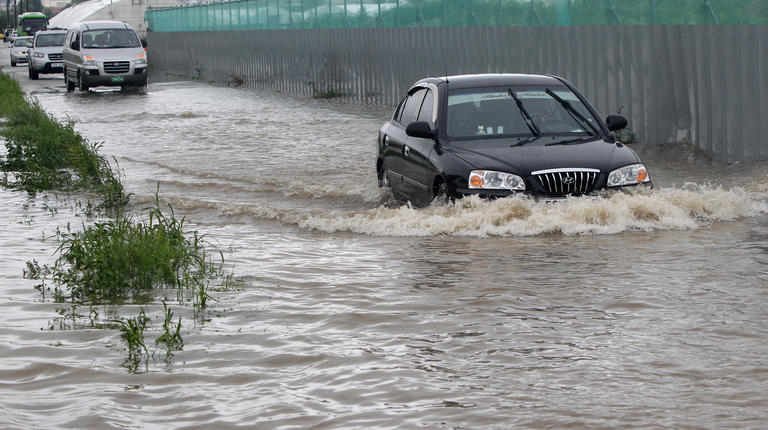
(128, 258)
(124, 259)
(132, 260)
(132, 331)
(43, 154)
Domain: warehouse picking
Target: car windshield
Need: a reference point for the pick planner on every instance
(23, 42)
(493, 112)
(110, 38)
(52, 39)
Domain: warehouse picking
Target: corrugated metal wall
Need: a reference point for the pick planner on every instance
(706, 85)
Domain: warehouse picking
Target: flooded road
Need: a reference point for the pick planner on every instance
(633, 311)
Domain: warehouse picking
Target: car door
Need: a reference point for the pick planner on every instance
(395, 142)
(417, 170)
(71, 56)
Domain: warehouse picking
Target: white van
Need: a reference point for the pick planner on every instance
(104, 53)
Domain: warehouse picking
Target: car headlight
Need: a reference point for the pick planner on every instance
(628, 175)
(39, 55)
(142, 59)
(488, 179)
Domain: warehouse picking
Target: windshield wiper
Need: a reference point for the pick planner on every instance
(526, 140)
(573, 112)
(572, 141)
(527, 117)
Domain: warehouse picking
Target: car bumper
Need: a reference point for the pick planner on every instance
(19, 58)
(493, 194)
(93, 78)
(46, 66)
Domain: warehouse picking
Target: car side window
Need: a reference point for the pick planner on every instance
(76, 39)
(399, 110)
(412, 106)
(425, 114)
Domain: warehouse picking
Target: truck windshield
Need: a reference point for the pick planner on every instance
(32, 25)
(111, 38)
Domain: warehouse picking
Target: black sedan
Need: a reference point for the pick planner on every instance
(496, 135)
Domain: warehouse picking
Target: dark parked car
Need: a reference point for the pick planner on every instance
(496, 135)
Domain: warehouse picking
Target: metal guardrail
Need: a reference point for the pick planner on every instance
(312, 14)
(703, 84)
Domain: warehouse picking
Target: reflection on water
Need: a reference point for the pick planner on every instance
(631, 310)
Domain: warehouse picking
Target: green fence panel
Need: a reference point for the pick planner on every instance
(308, 14)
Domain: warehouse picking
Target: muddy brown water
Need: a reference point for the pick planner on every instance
(633, 311)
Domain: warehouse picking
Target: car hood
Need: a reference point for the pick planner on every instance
(50, 49)
(522, 160)
(114, 54)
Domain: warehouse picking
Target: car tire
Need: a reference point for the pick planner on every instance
(384, 179)
(33, 74)
(70, 84)
(441, 195)
(81, 83)
(13, 63)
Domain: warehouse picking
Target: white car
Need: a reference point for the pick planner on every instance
(104, 53)
(19, 50)
(45, 55)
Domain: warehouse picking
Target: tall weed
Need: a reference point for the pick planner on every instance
(44, 154)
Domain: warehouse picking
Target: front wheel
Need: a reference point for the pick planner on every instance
(13, 63)
(440, 194)
(33, 74)
(70, 84)
(81, 82)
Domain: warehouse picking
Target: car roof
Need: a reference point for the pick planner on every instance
(50, 30)
(491, 80)
(98, 25)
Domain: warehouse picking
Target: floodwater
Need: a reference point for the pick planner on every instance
(632, 311)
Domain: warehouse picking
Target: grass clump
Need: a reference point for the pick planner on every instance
(132, 331)
(171, 336)
(44, 154)
(125, 259)
(132, 260)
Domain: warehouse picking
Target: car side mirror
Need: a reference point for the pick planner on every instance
(615, 122)
(76, 45)
(420, 129)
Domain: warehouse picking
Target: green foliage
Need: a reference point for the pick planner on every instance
(171, 336)
(122, 259)
(132, 331)
(44, 154)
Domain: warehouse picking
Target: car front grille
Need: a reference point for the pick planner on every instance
(563, 182)
(55, 57)
(116, 66)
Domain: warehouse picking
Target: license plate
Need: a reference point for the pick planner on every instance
(57, 64)
(553, 200)
(117, 79)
